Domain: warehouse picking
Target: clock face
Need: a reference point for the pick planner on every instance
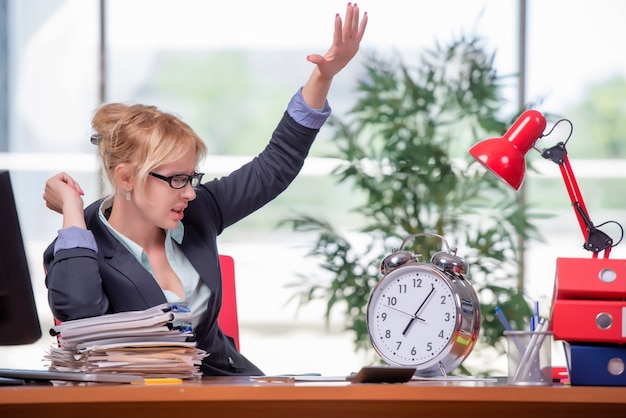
(412, 316)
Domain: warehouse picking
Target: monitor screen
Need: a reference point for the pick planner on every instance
(19, 323)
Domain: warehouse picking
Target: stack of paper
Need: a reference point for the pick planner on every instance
(157, 342)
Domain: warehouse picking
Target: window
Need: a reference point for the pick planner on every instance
(230, 74)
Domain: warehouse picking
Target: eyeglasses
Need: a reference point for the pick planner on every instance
(178, 181)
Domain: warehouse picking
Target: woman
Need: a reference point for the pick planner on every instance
(153, 239)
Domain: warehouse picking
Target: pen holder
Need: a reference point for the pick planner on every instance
(529, 355)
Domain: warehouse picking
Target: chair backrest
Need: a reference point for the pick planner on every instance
(228, 318)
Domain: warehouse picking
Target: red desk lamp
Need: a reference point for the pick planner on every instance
(504, 157)
(589, 301)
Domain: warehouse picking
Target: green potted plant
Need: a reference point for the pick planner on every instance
(404, 144)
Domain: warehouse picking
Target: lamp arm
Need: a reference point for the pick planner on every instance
(595, 240)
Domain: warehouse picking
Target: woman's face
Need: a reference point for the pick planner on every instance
(161, 204)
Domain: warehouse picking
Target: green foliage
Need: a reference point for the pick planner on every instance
(211, 88)
(599, 123)
(405, 145)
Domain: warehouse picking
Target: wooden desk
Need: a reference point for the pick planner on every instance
(237, 397)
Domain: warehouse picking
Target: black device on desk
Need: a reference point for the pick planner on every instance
(382, 374)
(19, 323)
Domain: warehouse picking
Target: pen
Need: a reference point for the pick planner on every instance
(534, 320)
(277, 378)
(502, 318)
(285, 377)
(161, 381)
(507, 326)
(532, 351)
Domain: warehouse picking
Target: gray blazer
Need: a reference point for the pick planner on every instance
(84, 283)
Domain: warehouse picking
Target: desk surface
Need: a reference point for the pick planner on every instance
(240, 397)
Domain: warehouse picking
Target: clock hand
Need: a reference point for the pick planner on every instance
(398, 310)
(408, 326)
(402, 312)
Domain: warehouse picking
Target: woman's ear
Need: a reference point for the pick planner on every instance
(125, 177)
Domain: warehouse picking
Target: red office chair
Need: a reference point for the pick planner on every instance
(228, 318)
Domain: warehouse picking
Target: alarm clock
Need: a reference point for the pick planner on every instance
(423, 315)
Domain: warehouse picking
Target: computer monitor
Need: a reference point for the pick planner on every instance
(19, 323)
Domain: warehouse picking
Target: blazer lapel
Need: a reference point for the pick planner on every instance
(123, 263)
(201, 257)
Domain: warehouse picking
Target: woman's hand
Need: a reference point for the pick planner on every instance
(63, 194)
(346, 41)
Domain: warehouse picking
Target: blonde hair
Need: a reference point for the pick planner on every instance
(141, 137)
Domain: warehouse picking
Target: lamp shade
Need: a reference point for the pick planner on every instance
(504, 156)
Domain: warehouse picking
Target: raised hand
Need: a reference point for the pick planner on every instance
(346, 41)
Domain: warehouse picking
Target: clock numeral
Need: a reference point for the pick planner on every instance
(391, 300)
(440, 335)
(399, 344)
(443, 299)
(383, 316)
(388, 333)
(417, 282)
(447, 317)
(429, 346)
(413, 351)
(401, 288)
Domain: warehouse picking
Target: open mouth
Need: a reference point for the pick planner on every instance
(178, 213)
